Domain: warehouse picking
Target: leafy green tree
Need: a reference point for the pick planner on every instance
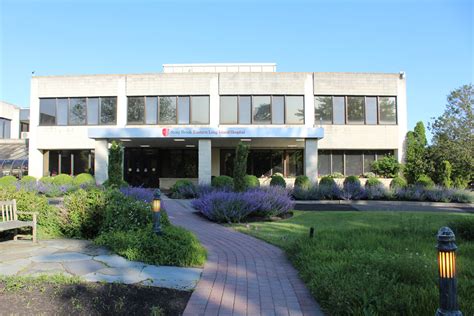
(240, 166)
(387, 167)
(115, 165)
(445, 174)
(416, 153)
(453, 136)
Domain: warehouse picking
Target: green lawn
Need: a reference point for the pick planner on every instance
(370, 263)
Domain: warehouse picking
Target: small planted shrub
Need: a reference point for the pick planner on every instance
(115, 168)
(63, 179)
(46, 180)
(336, 175)
(311, 193)
(251, 182)
(28, 179)
(278, 180)
(351, 180)
(424, 181)
(373, 182)
(302, 182)
(240, 166)
(269, 201)
(183, 189)
(352, 189)
(7, 181)
(84, 179)
(387, 167)
(222, 182)
(397, 183)
(368, 175)
(327, 181)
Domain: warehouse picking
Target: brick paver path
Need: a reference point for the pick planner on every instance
(243, 275)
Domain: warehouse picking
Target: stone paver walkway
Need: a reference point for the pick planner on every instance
(243, 275)
(81, 258)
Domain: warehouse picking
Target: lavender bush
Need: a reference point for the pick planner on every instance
(138, 193)
(231, 207)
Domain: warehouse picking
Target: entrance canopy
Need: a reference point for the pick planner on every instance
(207, 132)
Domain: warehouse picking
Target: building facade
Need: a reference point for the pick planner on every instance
(186, 122)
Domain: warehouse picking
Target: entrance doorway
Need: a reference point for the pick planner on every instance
(141, 167)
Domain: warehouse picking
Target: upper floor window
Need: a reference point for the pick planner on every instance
(5, 128)
(168, 110)
(78, 111)
(262, 109)
(368, 110)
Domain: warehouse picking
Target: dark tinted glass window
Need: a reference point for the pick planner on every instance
(261, 163)
(323, 110)
(353, 163)
(200, 110)
(294, 109)
(261, 110)
(355, 110)
(371, 110)
(65, 161)
(81, 161)
(167, 110)
(388, 110)
(244, 109)
(136, 110)
(369, 158)
(47, 111)
(228, 110)
(338, 162)
(77, 111)
(339, 114)
(295, 163)
(278, 110)
(183, 110)
(108, 110)
(324, 163)
(277, 161)
(92, 111)
(62, 111)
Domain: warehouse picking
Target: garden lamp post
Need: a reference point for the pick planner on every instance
(156, 206)
(448, 303)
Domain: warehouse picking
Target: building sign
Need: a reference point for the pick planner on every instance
(207, 132)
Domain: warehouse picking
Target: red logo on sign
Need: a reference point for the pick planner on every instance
(165, 131)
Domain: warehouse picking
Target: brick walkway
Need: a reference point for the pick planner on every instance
(243, 275)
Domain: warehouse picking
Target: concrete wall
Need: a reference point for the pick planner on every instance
(11, 112)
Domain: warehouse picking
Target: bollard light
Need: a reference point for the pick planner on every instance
(156, 206)
(448, 302)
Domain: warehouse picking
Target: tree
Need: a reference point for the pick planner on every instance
(453, 135)
(387, 167)
(240, 166)
(115, 165)
(416, 155)
(445, 174)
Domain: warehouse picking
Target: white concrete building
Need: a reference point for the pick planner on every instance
(186, 122)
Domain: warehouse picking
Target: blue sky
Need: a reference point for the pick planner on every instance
(432, 41)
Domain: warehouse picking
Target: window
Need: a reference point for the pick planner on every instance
(5, 128)
(199, 110)
(93, 111)
(136, 110)
(245, 108)
(278, 110)
(167, 110)
(151, 110)
(62, 111)
(387, 110)
(323, 110)
(183, 110)
(294, 109)
(47, 111)
(324, 162)
(261, 110)
(355, 110)
(77, 111)
(228, 111)
(371, 110)
(71, 162)
(369, 158)
(108, 110)
(354, 163)
(338, 161)
(294, 163)
(339, 114)
(348, 162)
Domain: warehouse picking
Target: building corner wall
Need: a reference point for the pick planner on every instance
(204, 161)
(35, 156)
(101, 161)
(311, 159)
(402, 117)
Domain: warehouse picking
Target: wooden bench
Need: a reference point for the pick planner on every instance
(10, 219)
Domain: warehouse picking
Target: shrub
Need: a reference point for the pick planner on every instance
(115, 170)
(387, 167)
(139, 193)
(311, 193)
(183, 189)
(269, 201)
(351, 180)
(222, 182)
(28, 179)
(373, 182)
(463, 228)
(327, 181)
(84, 213)
(7, 181)
(302, 182)
(336, 175)
(46, 180)
(251, 182)
(278, 181)
(240, 166)
(424, 181)
(352, 190)
(460, 183)
(398, 182)
(376, 192)
(63, 179)
(174, 247)
(125, 213)
(445, 174)
(368, 175)
(84, 179)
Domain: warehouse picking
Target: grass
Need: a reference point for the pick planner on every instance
(370, 263)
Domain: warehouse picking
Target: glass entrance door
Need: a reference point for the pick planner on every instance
(141, 167)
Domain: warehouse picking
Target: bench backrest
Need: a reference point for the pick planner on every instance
(8, 209)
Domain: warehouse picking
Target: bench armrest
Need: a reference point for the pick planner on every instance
(27, 213)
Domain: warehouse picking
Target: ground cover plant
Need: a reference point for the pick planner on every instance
(61, 295)
(372, 263)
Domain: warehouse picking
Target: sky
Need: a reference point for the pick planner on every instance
(432, 41)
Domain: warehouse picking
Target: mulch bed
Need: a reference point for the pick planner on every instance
(90, 299)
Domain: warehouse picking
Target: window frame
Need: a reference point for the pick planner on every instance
(378, 109)
(364, 120)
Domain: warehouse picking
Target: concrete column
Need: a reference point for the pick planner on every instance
(311, 159)
(205, 161)
(35, 156)
(214, 101)
(122, 102)
(101, 160)
(309, 101)
(401, 118)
